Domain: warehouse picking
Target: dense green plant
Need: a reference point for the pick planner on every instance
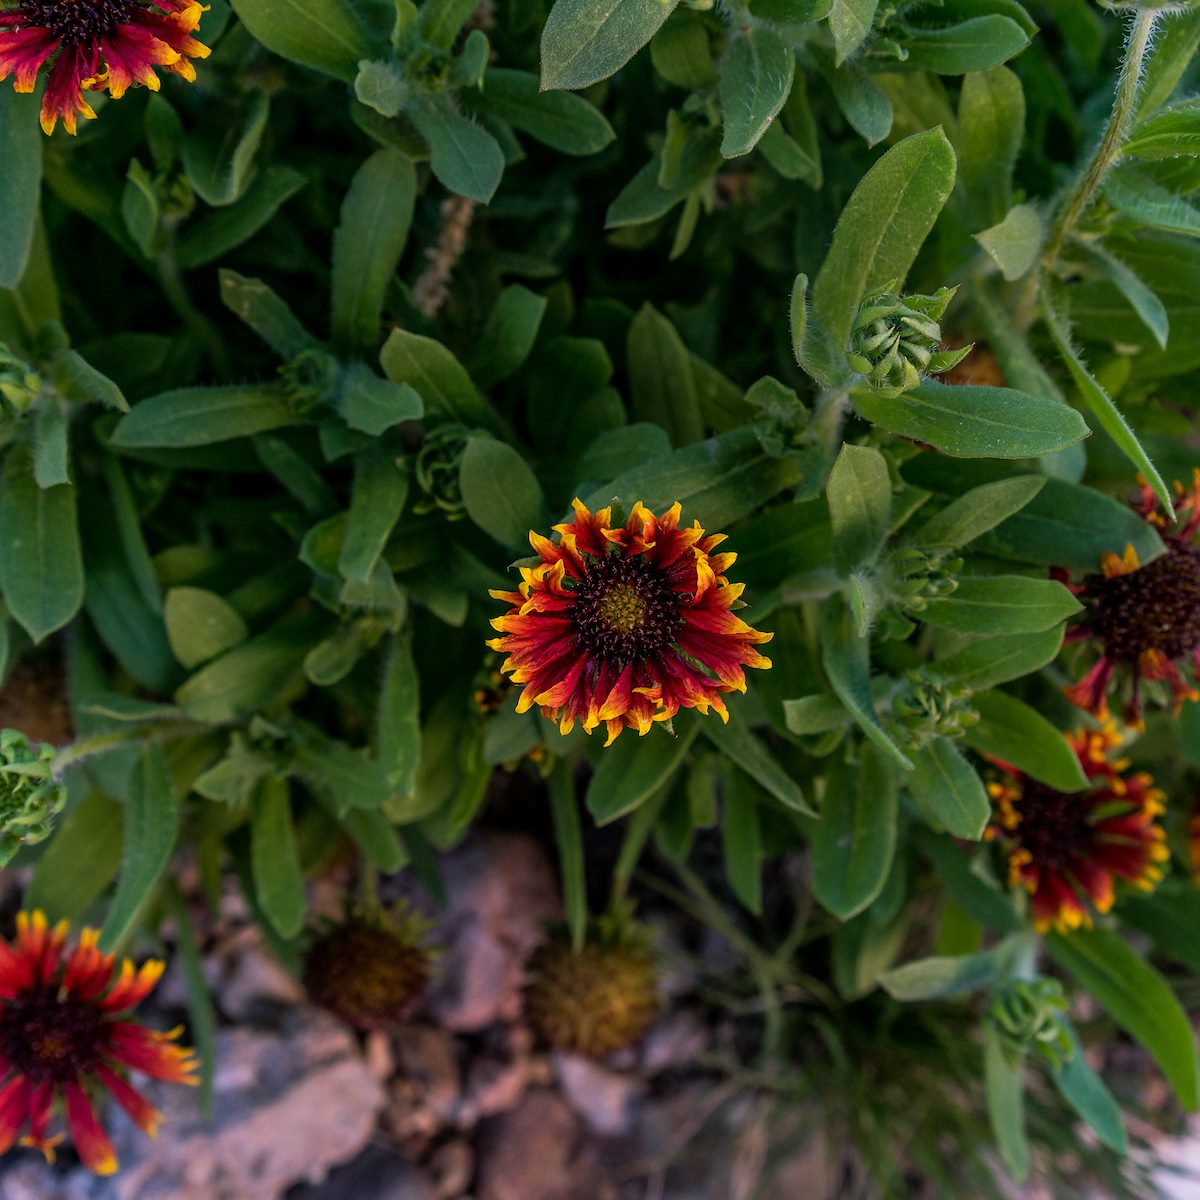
(294, 359)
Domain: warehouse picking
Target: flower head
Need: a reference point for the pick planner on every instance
(30, 796)
(370, 969)
(96, 45)
(65, 1033)
(1067, 849)
(626, 625)
(1146, 619)
(598, 999)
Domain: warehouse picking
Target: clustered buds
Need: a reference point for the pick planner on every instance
(930, 706)
(30, 796)
(914, 577)
(1027, 1014)
(371, 969)
(598, 999)
(895, 339)
(312, 378)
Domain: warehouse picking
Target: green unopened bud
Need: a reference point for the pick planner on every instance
(30, 796)
(1028, 1016)
(930, 706)
(915, 576)
(19, 383)
(311, 378)
(894, 340)
(436, 471)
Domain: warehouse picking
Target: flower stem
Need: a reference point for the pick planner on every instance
(1109, 149)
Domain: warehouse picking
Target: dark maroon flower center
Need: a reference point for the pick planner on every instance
(1156, 607)
(51, 1038)
(79, 22)
(1055, 827)
(625, 610)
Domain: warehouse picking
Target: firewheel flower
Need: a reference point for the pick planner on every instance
(1146, 619)
(626, 625)
(65, 1034)
(96, 45)
(1068, 849)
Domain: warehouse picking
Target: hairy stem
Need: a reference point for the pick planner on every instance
(1109, 149)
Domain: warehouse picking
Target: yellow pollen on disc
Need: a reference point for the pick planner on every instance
(623, 609)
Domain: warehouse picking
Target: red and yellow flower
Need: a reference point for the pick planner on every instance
(1146, 619)
(65, 1033)
(93, 46)
(626, 625)
(1068, 849)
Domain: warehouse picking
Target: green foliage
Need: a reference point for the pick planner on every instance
(900, 297)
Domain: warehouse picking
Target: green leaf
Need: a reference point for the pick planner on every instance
(974, 45)
(327, 35)
(860, 506)
(1015, 243)
(747, 751)
(346, 777)
(741, 841)
(219, 155)
(941, 976)
(585, 41)
(564, 122)
(151, 827)
(398, 724)
(854, 842)
(76, 867)
(41, 565)
(974, 421)
(509, 335)
(1149, 308)
(717, 481)
(380, 489)
(1004, 1085)
(367, 244)
(846, 659)
(1173, 132)
(864, 104)
(645, 198)
(266, 313)
(1148, 203)
(997, 660)
(681, 53)
(213, 236)
(203, 416)
(1009, 729)
(500, 492)
(568, 836)
(275, 858)
(1084, 1090)
(809, 715)
(998, 604)
(1054, 312)
(238, 683)
(975, 512)
(850, 21)
(1068, 525)
(78, 380)
(1137, 997)
(438, 378)
(372, 405)
(463, 155)
(632, 769)
(947, 789)
(660, 378)
(201, 625)
(883, 225)
(20, 182)
(756, 78)
(374, 836)
(991, 120)
(1177, 38)
(1172, 919)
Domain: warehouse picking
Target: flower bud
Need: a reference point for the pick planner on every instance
(30, 796)
(1027, 1014)
(894, 340)
(596, 1000)
(19, 383)
(436, 471)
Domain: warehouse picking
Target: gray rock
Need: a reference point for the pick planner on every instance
(377, 1174)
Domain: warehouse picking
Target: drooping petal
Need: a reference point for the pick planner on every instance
(91, 1142)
